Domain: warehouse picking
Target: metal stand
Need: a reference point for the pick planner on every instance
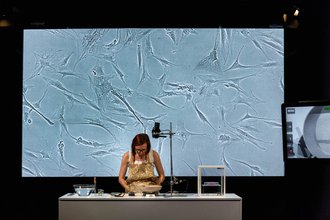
(170, 134)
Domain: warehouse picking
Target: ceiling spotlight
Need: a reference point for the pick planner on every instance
(285, 17)
(5, 22)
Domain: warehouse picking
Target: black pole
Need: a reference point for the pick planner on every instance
(171, 159)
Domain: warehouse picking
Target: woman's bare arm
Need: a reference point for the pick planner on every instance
(159, 168)
(123, 170)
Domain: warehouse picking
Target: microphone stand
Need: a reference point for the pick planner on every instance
(170, 134)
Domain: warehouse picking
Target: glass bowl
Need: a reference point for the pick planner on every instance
(84, 189)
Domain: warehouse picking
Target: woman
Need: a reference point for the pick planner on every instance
(140, 162)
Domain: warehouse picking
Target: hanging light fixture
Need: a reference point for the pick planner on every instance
(5, 16)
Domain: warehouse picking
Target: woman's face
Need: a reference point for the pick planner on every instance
(141, 149)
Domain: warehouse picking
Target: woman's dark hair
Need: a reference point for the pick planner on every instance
(140, 139)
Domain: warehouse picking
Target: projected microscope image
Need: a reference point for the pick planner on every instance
(87, 92)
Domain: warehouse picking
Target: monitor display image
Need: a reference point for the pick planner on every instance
(87, 92)
(306, 130)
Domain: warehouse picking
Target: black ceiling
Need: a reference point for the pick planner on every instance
(123, 13)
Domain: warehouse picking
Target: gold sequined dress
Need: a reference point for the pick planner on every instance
(141, 173)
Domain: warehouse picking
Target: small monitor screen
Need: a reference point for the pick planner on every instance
(306, 130)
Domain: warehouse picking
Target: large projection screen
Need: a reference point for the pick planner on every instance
(88, 92)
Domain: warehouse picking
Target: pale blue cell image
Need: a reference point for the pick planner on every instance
(88, 92)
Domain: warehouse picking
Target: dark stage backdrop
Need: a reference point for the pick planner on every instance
(87, 92)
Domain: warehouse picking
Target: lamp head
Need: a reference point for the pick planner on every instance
(156, 130)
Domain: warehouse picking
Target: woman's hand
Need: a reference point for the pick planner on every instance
(126, 188)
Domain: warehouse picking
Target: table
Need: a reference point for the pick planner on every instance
(163, 206)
